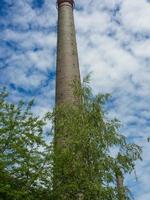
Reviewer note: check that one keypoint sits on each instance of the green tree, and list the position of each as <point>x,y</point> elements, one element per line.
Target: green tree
<point>84,167</point>
<point>25,158</point>
<point>78,162</point>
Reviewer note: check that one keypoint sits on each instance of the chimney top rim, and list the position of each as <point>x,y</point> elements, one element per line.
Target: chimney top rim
<point>59,2</point>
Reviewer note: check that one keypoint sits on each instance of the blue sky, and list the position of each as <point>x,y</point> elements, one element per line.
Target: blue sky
<point>113,42</point>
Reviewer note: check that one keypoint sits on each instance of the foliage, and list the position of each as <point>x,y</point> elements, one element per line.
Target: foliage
<point>84,167</point>
<point>25,159</point>
<point>79,165</point>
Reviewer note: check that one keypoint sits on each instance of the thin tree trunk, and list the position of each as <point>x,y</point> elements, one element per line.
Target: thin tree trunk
<point>120,186</point>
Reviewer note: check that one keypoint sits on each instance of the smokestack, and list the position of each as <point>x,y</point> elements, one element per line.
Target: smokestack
<point>67,69</point>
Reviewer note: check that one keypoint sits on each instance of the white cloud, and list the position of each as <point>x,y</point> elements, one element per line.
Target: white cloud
<point>141,49</point>
<point>135,15</point>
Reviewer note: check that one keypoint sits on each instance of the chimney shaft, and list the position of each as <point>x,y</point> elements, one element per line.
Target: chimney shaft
<point>67,68</point>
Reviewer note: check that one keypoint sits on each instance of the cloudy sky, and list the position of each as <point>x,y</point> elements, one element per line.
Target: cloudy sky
<point>113,42</point>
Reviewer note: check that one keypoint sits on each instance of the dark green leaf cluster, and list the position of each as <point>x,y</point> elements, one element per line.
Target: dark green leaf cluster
<point>25,159</point>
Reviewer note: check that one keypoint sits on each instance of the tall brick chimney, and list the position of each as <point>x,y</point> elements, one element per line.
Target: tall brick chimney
<point>67,68</point>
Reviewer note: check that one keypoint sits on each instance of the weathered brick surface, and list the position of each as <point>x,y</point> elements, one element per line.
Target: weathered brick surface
<point>67,57</point>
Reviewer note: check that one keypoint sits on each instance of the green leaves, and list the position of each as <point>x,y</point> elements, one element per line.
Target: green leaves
<point>77,164</point>
<point>24,154</point>
<point>84,137</point>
